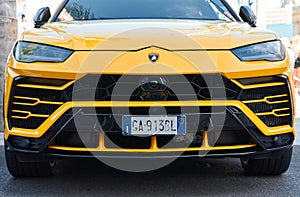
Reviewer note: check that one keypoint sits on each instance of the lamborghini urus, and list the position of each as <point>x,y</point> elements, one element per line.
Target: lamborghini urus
<point>151,79</point>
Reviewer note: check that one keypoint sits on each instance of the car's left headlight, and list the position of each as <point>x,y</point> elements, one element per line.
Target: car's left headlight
<point>268,51</point>
<point>33,52</point>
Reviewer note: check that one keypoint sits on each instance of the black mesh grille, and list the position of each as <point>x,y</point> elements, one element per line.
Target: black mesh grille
<point>43,109</point>
<point>154,88</point>
<point>272,121</point>
<point>263,107</point>
<point>143,88</point>
<point>262,80</point>
<point>41,81</point>
<point>27,108</point>
<point>232,132</point>
<point>279,99</point>
<point>260,93</point>
<point>229,138</point>
<point>197,121</point>
<point>74,139</point>
<point>31,123</point>
<point>42,94</point>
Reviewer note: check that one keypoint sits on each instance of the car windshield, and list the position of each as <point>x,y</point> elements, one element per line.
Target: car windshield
<point>76,10</point>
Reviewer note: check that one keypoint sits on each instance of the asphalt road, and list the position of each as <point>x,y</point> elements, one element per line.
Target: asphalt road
<point>221,177</point>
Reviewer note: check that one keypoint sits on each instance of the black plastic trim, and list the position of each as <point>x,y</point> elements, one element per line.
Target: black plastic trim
<point>28,156</point>
<point>58,11</point>
<point>264,142</point>
<point>232,12</point>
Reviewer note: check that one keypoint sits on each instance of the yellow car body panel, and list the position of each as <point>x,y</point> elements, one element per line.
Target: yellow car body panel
<point>65,107</point>
<point>182,62</point>
<point>112,35</point>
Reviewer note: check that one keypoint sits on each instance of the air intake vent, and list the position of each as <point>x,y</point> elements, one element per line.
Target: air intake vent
<point>34,100</point>
<point>271,104</point>
<point>153,88</point>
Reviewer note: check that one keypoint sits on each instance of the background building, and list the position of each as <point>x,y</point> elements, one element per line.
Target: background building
<point>26,10</point>
<point>8,35</point>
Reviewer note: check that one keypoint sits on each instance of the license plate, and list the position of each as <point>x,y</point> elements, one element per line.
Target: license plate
<point>154,125</point>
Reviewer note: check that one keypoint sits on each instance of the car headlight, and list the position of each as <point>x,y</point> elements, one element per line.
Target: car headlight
<point>268,51</point>
<point>32,52</point>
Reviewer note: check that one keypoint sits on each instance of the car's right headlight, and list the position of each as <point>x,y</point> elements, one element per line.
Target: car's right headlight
<point>268,51</point>
<point>29,52</point>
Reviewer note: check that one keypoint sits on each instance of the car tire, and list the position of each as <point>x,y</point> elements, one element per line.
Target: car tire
<point>268,166</point>
<point>27,169</point>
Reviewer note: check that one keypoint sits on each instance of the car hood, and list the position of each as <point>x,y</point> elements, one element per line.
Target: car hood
<point>138,34</point>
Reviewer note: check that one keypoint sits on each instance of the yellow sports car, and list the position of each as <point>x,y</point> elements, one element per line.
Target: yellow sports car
<point>147,81</point>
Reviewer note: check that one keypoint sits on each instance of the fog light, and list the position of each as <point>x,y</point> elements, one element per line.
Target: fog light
<point>19,142</point>
<point>281,140</point>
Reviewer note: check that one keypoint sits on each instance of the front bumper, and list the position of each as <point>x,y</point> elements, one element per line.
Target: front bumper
<point>34,156</point>
<point>43,120</point>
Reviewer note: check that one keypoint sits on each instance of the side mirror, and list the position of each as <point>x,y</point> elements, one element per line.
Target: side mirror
<point>248,16</point>
<point>41,17</point>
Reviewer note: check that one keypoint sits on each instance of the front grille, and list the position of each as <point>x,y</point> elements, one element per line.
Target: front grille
<point>89,118</point>
<point>74,139</point>
<point>153,88</point>
<point>84,131</point>
<point>33,101</point>
<point>229,138</point>
<point>271,104</point>
<point>30,123</point>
